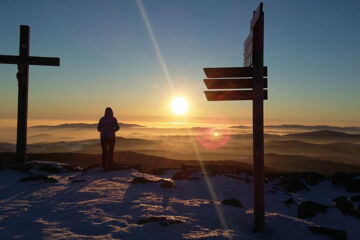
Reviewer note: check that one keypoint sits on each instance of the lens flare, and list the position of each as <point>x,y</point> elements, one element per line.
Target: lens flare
<point>213,138</point>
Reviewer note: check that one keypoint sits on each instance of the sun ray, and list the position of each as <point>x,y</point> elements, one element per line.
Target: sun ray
<point>155,44</point>
<point>168,78</point>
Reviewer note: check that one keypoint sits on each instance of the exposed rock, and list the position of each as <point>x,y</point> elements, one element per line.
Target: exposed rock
<point>348,180</point>
<point>183,176</point>
<point>72,168</point>
<point>353,186</point>
<point>163,221</point>
<point>335,234</point>
<point>355,213</point>
<point>344,205</point>
<point>40,177</point>
<point>295,186</point>
<point>312,178</point>
<point>292,182</point>
<point>180,176</point>
<point>232,202</point>
<point>140,180</point>
<point>309,209</point>
<point>341,178</point>
<point>166,184</point>
<point>24,168</point>
<point>236,176</point>
<point>355,198</point>
<point>163,183</point>
<point>78,180</point>
<point>84,170</point>
<point>289,201</point>
<point>151,219</point>
<point>49,168</point>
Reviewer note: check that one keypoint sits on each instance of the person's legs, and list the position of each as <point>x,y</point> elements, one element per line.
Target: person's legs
<point>111,152</point>
<point>104,153</point>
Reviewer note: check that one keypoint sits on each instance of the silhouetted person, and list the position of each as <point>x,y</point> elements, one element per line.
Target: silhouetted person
<point>108,125</point>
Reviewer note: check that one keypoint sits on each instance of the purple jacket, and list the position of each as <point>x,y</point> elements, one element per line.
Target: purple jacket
<point>108,125</point>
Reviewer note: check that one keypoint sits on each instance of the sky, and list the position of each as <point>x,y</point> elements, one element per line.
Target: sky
<point>136,56</point>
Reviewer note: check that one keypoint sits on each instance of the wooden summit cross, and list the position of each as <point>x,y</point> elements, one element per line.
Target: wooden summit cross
<point>252,76</point>
<point>23,61</point>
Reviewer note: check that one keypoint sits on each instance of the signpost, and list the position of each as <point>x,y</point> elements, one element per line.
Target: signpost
<point>23,61</point>
<point>252,76</point>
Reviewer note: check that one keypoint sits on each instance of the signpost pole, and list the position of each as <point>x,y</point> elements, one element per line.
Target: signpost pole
<point>258,124</point>
<point>23,82</point>
<point>252,75</point>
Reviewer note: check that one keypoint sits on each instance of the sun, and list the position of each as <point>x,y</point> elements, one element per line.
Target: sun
<point>179,105</point>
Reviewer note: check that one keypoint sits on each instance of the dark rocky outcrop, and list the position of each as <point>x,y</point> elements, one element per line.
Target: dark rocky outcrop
<point>347,180</point>
<point>166,184</point>
<point>344,205</point>
<point>355,198</point>
<point>312,178</point>
<point>294,182</point>
<point>335,234</point>
<point>140,180</point>
<point>49,168</point>
<point>23,168</point>
<point>245,179</point>
<point>310,209</point>
<point>163,183</point>
<point>353,186</point>
<point>78,180</point>
<point>163,221</point>
<point>86,169</point>
<point>232,202</point>
<point>181,175</point>
<point>289,201</point>
<point>40,177</point>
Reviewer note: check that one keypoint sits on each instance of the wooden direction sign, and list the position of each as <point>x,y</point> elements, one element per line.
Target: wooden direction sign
<point>252,75</point>
<point>227,81</point>
<point>231,83</point>
<point>231,95</point>
<point>256,16</point>
<point>249,47</point>
<point>231,72</point>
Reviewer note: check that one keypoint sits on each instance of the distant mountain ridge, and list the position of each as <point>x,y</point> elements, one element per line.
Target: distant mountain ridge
<point>81,126</point>
<point>305,127</point>
<point>314,127</point>
<point>324,134</point>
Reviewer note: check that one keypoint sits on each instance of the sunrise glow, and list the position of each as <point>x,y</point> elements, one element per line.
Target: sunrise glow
<point>179,105</point>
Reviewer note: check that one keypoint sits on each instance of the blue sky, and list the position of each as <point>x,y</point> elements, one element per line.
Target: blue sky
<point>108,59</point>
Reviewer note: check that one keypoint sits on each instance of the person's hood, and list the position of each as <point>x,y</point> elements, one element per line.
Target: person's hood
<point>108,113</point>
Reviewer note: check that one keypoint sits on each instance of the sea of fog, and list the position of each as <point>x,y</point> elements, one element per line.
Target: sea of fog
<point>188,142</point>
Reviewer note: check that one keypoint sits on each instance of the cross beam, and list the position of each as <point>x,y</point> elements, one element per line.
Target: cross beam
<point>23,60</point>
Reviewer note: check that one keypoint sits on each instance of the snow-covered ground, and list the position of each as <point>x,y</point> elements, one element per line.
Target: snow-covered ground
<point>108,205</point>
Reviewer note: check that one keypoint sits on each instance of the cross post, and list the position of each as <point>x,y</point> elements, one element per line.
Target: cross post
<point>23,60</point>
